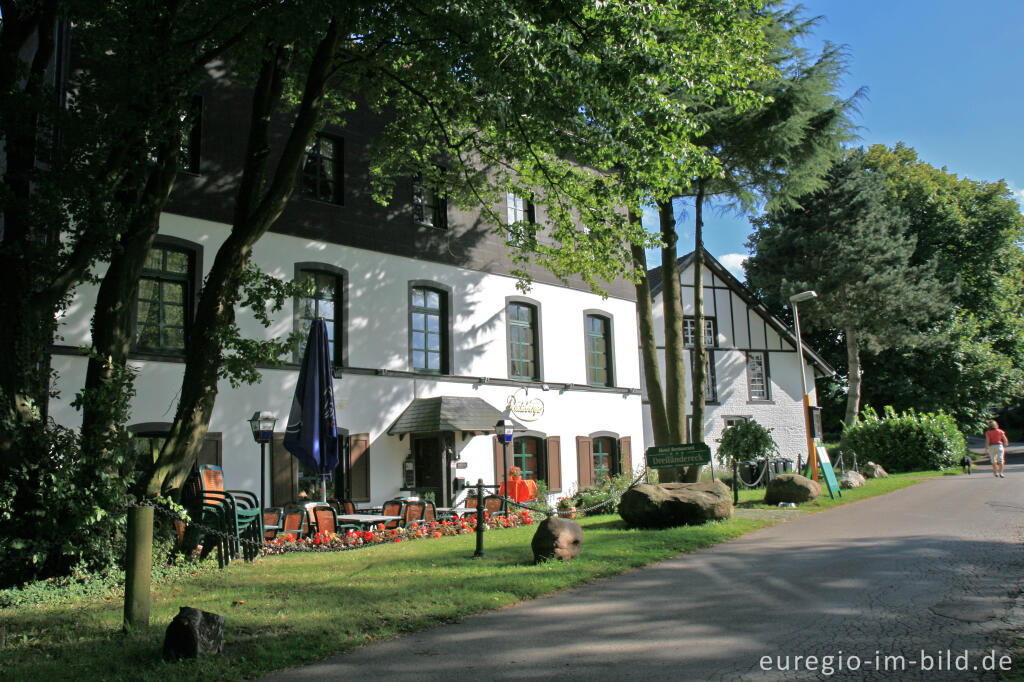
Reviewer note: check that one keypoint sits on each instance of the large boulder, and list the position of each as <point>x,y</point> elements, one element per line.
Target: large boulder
<point>556,538</point>
<point>675,504</point>
<point>194,633</point>
<point>791,488</point>
<point>872,470</point>
<point>851,479</point>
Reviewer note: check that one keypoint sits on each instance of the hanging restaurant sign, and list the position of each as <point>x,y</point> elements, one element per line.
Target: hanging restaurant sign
<point>524,407</point>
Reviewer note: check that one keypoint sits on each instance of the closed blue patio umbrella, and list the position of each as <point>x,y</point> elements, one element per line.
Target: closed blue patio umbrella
<point>312,432</point>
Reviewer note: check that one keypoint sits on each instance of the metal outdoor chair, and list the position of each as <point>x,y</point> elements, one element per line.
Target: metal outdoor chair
<point>494,505</point>
<point>294,522</point>
<point>236,514</point>
<point>326,520</point>
<point>342,506</point>
<point>272,517</point>
<point>413,513</point>
<point>429,512</point>
<point>392,508</point>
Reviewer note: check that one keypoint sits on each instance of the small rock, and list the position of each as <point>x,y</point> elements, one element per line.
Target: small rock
<point>851,479</point>
<point>194,633</point>
<point>872,470</point>
<point>556,538</point>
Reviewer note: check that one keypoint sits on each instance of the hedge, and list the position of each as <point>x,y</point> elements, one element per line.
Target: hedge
<point>905,442</point>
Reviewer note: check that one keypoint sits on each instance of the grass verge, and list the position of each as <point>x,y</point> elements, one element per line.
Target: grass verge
<point>298,608</point>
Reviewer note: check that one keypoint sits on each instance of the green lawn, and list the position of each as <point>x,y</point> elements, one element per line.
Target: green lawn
<point>297,608</point>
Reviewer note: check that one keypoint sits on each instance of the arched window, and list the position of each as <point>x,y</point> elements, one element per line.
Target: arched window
<point>604,458</point>
<point>598,335</point>
<point>324,297</point>
<point>166,298</point>
<point>523,329</point>
<point>429,329</point>
<point>527,454</point>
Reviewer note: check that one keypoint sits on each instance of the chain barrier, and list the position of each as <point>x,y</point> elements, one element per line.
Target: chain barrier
<point>757,483</point>
<point>615,497</point>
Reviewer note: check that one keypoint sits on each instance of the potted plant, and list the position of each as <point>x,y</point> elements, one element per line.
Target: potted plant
<point>515,473</point>
<point>566,507</point>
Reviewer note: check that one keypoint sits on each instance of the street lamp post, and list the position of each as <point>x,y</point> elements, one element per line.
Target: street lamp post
<point>504,431</point>
<point>262,425</point>
<point>794,300</point>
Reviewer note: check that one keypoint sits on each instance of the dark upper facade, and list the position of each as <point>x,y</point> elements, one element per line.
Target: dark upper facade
<point>344,213</point>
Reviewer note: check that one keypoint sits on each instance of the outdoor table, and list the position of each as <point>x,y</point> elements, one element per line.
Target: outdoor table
<point>366,519</point>
<point>455,511</point>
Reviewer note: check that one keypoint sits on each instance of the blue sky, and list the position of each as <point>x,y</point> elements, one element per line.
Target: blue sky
<point>942,76</point>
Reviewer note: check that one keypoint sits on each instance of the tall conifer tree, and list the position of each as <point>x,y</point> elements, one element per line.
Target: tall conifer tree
<point>854,250</point>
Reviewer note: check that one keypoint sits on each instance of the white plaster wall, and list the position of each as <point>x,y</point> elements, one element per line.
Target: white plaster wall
<point>378,338</point>
<point>784,412</point>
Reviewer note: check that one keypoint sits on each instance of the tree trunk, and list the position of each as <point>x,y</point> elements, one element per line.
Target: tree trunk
<point>675,366</point>
<point>700,353</point>
<point>257,208</point>
<point>26,319</point>
<point>853,394</point>
<point>112,316</point>
<point>649,347</point>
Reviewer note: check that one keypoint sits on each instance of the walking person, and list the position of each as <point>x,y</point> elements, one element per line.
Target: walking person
<point>996,444</point>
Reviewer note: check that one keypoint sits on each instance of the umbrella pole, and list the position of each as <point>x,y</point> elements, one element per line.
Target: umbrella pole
<point>323,488</point>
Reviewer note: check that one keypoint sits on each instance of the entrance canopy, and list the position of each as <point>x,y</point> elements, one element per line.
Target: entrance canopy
<point>449,413</point>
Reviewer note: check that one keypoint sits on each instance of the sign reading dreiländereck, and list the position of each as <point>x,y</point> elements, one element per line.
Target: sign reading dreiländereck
<point>524,407</point>
<point>683,454</point>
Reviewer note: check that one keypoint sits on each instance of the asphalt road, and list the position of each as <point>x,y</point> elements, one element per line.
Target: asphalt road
<point>935,568</point>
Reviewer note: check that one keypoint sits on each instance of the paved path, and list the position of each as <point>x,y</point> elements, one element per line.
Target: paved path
<point>935,567</point>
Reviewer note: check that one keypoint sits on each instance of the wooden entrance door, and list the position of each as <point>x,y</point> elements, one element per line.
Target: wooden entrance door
<point>427,459</point>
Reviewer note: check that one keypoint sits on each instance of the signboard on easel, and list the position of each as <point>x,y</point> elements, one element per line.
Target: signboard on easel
<point>825,467</point>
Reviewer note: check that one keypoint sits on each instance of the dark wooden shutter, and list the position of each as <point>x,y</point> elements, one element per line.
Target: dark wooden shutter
<point>625,456</point>
<point>359,466</point>
<point>284,473</point>
<point>584,462</point>
<point>553,445</point>
<point>499,460</point>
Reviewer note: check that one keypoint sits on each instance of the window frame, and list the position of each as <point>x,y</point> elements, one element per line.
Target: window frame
<point>340,356</point>
<point>426,201</point>
<point>540,474</point>
<point>730,420</point>
<point>337,193</point>
<point>688,329</point>
<point>445,326</point>
<point>528,213</point>
<point>711,383</point>
<point>537,336</point>
<point>766,378</point>
<point>190,298</point>
<point>613,455</point>
<point>609,338</point>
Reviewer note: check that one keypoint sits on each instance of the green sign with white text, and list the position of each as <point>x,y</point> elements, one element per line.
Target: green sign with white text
<point>684,454</point>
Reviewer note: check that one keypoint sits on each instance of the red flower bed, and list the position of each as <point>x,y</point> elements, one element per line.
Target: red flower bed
<point>352,539</point>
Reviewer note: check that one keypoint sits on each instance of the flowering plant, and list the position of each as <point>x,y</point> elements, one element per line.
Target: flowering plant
<point>515,472</point>
<point>566,503</point>
<point>351,539</point>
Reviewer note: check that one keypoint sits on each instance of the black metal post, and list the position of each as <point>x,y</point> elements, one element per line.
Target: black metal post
<point>479,553</point>
<point>263,471</point>
<point>735,483</point>
<point>504,456</point>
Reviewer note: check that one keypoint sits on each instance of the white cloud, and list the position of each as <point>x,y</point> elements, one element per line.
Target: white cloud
<point>1017,192</point>
<point>733,262</point>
